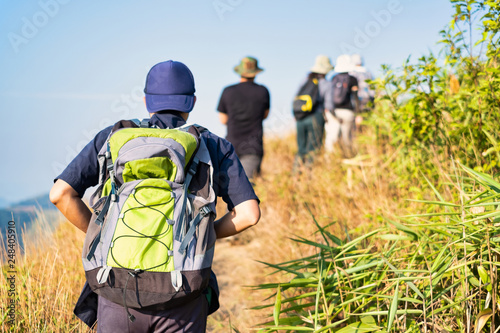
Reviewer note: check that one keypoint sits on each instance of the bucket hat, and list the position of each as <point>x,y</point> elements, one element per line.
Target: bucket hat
<point>169,86</point>
<point>248,67</point>
<point>343,64</point>
<point>322,65</point>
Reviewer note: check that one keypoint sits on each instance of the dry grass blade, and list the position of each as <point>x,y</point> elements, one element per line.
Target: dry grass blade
<point>482,319</point>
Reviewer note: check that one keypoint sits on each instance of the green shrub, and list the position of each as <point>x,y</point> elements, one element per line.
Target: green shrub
<point>439,108</point>
<point>435,270</point>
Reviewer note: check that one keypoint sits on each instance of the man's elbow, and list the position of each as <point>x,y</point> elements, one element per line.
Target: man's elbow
<point>59,191</point>
<point>253,216</point>
<point>223,118</point>
<point>55,195</point>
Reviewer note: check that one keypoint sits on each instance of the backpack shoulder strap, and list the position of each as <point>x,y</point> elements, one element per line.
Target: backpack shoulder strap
<point>200,128</point>
<point>103,160</point>
<point>201,153</point>
<point>131,123</point>
<point>124,124</point>
<point>144,123</point>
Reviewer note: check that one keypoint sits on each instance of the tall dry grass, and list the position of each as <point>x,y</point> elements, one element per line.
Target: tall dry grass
<point>49,278</point>
<point>346,195</point>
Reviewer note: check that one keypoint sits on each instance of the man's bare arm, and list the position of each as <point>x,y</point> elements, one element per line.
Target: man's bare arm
<point>67,200</point>
<point>223,118</point>
<point>243,216</point>
<point>266,113</point>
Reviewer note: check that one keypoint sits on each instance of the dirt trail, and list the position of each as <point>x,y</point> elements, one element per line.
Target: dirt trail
<point>237,268</point>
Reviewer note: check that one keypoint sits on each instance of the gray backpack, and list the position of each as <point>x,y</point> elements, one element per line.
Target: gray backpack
<point>150,242</point>
<point>341,89</point>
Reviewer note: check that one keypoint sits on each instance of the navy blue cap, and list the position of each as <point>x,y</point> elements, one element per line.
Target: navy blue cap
<point>169,86</point>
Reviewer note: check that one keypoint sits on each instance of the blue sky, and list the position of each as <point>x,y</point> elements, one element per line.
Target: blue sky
<point>70,68</point>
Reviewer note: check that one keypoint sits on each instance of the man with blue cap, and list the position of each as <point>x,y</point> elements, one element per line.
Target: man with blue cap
<point>170,97</point>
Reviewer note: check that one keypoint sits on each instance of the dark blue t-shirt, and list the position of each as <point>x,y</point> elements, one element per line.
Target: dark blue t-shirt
<point>229,179</point>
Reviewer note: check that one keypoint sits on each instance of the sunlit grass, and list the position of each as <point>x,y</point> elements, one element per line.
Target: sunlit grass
<point>433,268</point>
<point>49,277</point>
<point>348,197</point>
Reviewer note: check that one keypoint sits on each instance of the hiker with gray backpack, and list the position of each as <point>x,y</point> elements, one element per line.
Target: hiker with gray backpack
<point>340,122</point>
<point>151,233</point>
<point>366,94</point>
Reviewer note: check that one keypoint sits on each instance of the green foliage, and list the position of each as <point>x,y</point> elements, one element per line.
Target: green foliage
<point>436,270</point>
<point>449,106</point>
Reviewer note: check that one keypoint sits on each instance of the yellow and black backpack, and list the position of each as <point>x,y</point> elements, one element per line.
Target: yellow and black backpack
<point>306,99</point>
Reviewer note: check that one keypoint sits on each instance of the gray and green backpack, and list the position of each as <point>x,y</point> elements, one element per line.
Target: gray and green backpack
<point>150,242</point>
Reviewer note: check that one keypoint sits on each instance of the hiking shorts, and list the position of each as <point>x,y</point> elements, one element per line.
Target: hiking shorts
<point>191,318</point>
<point>251,165</point>
<point>344,130</point>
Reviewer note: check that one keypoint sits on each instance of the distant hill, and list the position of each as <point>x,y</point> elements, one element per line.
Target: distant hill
<point>22,215</point>
<point>25,213</point>
<point>41,201</point>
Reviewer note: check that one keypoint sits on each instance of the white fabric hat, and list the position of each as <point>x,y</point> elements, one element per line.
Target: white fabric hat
<point>356,60</point>
<point>322,65</point>
<point>343,64</point>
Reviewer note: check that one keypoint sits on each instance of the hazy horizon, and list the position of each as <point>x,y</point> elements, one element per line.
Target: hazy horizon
<point>72,68</point>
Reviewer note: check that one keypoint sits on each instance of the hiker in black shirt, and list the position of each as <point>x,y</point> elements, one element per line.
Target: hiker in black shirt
<point>243,107</point>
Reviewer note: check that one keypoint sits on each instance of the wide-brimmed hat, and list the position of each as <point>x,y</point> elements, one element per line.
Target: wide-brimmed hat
<point>343,64</point>
<point>248,67</point>
<point>169,86</point>
<point>322,65</point>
